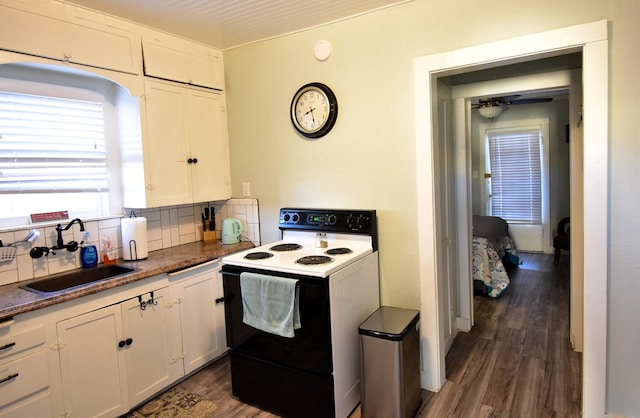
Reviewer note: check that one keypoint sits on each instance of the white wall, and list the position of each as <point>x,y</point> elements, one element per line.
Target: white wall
<point>368,159</point>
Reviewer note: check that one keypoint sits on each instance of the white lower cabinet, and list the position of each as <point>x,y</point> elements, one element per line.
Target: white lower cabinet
<point>151,330</point>
<point>117,356</point>
<point>93,368</point>
<point>199,295</point>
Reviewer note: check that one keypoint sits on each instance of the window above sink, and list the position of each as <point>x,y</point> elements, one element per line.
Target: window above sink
<point>64,152</point>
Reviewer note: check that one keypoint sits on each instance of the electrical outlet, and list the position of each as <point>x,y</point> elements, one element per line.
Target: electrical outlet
<point>246,189</point>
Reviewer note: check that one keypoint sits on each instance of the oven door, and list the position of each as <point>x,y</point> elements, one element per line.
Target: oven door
<point>308,350</point>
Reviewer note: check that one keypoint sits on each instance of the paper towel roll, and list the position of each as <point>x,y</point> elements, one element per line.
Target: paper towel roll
<point>134,238</point>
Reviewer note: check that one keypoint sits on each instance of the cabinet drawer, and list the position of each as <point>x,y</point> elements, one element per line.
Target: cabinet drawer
<point>38,406</point>
<point>19,343</point>
<point>23,377</point>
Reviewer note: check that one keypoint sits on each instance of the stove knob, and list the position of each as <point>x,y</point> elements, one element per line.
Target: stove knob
<point>286,217</point>
<point>357,222</point>
<point>295,218</point>
<point>331,219</point>
<point>350,220</point>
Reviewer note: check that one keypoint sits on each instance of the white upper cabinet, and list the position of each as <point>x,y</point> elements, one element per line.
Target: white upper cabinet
<point>184,154</point>
<point>175,59</point>
<point>73,35</point>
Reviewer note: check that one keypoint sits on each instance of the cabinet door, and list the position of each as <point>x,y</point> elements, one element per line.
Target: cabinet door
<point>172,58</point>
<point>150,367</point>
<point>72,35</point>
<point>209,143</point>
<point>94,381</point>
<point>165,145</point>
<point>203,338</point>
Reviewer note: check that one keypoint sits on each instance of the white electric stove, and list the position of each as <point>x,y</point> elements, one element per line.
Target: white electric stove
<point>332,255</point>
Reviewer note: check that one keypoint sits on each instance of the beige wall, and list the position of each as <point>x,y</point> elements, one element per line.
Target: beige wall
<point>368,160</point>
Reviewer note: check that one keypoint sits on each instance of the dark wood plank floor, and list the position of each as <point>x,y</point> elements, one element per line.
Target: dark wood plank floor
<point>515,362</point>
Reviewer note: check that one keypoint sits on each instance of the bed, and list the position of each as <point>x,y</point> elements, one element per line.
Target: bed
<point>491,244</point>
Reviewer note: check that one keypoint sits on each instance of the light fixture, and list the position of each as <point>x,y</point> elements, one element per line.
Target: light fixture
<point>490,111</point>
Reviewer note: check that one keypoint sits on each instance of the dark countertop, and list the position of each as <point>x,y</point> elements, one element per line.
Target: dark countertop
<point>14,300</point>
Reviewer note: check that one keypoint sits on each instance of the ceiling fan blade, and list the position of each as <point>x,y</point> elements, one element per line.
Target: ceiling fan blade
<point>503,99</point>
<point>530,101</point>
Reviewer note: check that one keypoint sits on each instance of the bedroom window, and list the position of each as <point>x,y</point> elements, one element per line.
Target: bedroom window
<point>515,163</point>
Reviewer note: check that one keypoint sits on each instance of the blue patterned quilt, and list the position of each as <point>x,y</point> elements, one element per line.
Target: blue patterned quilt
<point>487,263</point>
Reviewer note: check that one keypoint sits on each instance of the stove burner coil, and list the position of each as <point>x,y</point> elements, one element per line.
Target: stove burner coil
<point>338,251</point>
<point>286,247</point>
<point>258,255</point>
<point>314,260</point>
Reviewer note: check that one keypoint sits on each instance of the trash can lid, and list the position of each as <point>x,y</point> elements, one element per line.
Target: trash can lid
<point>389,323</point>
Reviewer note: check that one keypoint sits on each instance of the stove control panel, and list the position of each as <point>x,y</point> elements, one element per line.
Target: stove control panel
<point>329,220</point>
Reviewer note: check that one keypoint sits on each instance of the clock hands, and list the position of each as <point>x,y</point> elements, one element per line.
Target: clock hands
<point>311,109</point>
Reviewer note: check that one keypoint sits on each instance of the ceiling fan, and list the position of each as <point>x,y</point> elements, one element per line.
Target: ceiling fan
<point>491,107</point>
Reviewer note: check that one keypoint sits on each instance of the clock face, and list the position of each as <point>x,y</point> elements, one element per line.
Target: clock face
<point>314,110</point>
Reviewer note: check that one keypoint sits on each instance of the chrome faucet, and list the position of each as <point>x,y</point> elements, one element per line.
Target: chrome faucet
<point>37,252</point>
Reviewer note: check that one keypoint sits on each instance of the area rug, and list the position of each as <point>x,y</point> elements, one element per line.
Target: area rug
<point>176,402</point>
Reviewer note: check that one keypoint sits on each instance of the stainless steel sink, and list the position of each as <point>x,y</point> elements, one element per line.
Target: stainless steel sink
<point>76,278</point>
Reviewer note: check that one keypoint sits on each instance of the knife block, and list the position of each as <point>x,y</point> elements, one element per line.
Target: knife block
<point>209,236</point>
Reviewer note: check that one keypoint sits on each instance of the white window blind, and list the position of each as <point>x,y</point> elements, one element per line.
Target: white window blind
<point>516,175</point>
<point>51,145</point>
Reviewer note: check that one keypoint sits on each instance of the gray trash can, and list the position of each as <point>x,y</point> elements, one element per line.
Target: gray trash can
<point>390,369</point>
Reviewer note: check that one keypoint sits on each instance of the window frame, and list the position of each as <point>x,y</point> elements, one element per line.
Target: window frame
<point>57,81</point>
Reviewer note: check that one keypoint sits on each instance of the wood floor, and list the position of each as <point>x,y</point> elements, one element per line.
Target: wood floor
<point>515,362</point>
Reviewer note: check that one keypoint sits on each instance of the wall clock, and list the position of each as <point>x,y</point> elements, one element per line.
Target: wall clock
<point>314,110</point>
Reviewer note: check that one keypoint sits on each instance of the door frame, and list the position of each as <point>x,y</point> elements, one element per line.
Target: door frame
<point>592,40</point>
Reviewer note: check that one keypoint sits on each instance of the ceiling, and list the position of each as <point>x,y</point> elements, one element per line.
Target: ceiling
<point>225,24</point>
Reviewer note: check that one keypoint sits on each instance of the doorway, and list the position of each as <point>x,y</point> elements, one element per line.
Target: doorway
<point>591,40</point>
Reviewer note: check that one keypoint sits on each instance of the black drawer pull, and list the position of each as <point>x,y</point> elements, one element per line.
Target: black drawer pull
<point>10,377</point>
<point>7,346</point>
<point>219,300</point>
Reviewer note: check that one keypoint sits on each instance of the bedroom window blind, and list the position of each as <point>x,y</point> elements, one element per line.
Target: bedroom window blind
<point>516,174</point>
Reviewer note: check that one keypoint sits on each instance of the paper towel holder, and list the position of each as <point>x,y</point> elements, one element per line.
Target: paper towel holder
<point>134,237</point>
<point>133,248</point>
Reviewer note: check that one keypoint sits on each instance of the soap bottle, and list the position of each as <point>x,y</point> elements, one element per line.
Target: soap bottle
<point>88,253</point>
<point>108,253</point>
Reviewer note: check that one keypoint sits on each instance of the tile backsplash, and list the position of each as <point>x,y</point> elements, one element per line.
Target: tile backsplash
<point>166,227</point>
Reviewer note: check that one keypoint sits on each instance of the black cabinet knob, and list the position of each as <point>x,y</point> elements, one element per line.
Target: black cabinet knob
<point>126,342</point>
<point>192,161</point>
